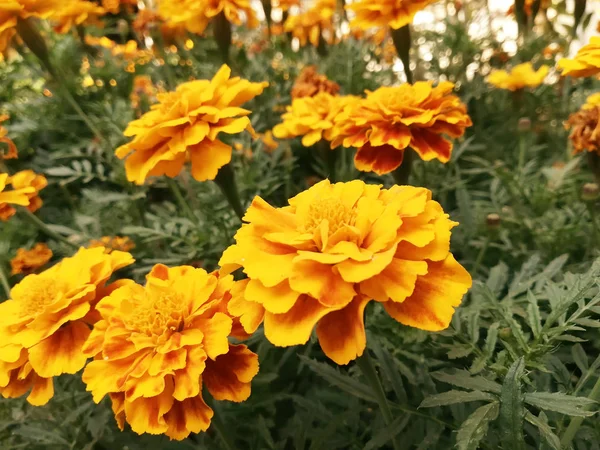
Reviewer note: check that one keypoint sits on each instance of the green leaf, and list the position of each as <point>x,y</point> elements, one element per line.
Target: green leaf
<point>474,429</point>
<point>491,339</point>
<point>463,379</point>
<point>545,431</point>
<point>387,433</point>
<point>580,357</point>
<point>455,396</point>
<point>534,318</point>
<point>497,278</point>
<point>561,403</point>
<point>511,407</point>
<point>388,368</point>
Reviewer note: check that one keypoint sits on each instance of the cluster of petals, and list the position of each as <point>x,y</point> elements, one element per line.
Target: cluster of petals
<point>110,243</point>
<point>195,15</point>
<point>521,76</point>
<point>26,185</point>
<point>11,11</point>
<point>312,118</point>
<point>75,12</point>
<point>310,82</point>
<point>156,346</point>
<point>585,126</point>
<point>27,261</point>
<point>314,24</point>
<point>586,62</point>
<point>385,13</point>
<point>185,125</point>
<point>390,119</point>
<point>10,152</point>
<point>115,6</point>
<point>47,320</point>
<point>336,247</point>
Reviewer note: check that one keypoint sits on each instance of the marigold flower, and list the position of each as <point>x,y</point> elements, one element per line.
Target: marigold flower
<point>309,83</point>
<point>110,243</point>
<point>114,6</point>
<point>25,182</point>
<point>585,127</point>
<point>11,151</point>
<point>46,322</point>
<point>391,119</point>
<point>27,261</point>
<point>312,25</point>
<point>156,347</point>
<point>11,11</point>
<point>312,117</point>
<point>75,12</point>
<point>12,197</point>
<point>520,77</point>
<point>336,247</point>
<point>143,90</point>
<point>585,63</point>
<point>385,13</point>
<point>186,124</point>
<point>270,144</point>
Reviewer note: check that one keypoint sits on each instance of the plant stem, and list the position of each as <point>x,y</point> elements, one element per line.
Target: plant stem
<point>4,281</point>
<point>329,157</point>
<point>32,218</point>
<point>225,179</point>
<point>522,151</point>
<point>402,42</point>
<point>480,255</point>
<point>594,164</point>
<point>368,369</point>
<point>181,201</point>
<point>576,422</point>
<point>402,173</point>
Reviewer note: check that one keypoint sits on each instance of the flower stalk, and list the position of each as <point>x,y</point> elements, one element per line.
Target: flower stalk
<point>4,281</point>
<point>222,30</point>
<point>402,42</point>
<point>225,179</point>
<point>181,201</point>
<point>402,174</point>
<point>594,164</point>
<point>32,218</point>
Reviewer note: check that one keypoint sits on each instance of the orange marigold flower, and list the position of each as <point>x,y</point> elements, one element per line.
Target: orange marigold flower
<point>309,83</point>
<point>286,5</point>
<point>312,118</point>
<point>585,63</point>
<point>114,6</point>
<point>110,243</point>
<point>143,90</point>
<point>186,124</point>
<point>314,24</point>
<point>25,182</point>
<point>27,261</point>
<point>270,144</point>
<point>11,11</point>
<point>75,12</point>
<point>585,126</point>
<point>46,322</point>
<point>520,77</point>
<point>11,151</point>
<point>336,247</point>
<point>385,13</point>
<point>156,347</point>
<point>391,119</point>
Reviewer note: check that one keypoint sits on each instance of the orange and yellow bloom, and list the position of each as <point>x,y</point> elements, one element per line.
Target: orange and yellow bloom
<point>25,187</point>
<point>309,83</point>
<point>585,126</point>
<point>386,13</point>
<point>73,13</point>
<point>47,320</point>
<point>185,125</point>
<point>111,243</point>
<point>521,76</point>
<point>158,345</point>
<point>391,119</point>
<point>11,11</point>
<point>11,149</point>
<point>322,259</point>
<point>27,261</point>
<point>314,24</point>
<point>585,63</point>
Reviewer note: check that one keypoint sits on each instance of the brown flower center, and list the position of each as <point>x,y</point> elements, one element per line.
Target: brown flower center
<point>333,211</point>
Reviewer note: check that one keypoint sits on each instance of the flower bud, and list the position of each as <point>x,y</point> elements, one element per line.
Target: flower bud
<point>590,192</point>
<point>123,27</point>
<point>524,124</point>
<point>493,221</point>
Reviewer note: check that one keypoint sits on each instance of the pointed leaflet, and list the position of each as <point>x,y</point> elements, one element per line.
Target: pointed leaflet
<point>474,429</point>
<point>511,407</point>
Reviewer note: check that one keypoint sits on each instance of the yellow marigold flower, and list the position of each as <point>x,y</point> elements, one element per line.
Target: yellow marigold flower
<point>11,11</point>
<point>47,320</point>
<point>320,260</point>
<point>310,26</point>
<point>156,347</point>
<point>27,261</point>
<point>186,124</point>
<point>114,6</point>
<point>585,127</point>
<point>12,197</point>
<point>309,83</point>
<point>391,119</point>
<point>312,117</point>
<point>100,42</point>
<point>592,100</point>
<point>286,5</point>
<point>585,63</point>
<point>270,144</point>
<point>25,182</point>
<point>110,243</point>
<point>11,151</point>
<point>143,89</point>
<point>385,13</point>
<point>75,12</point>
<point>520,77</point>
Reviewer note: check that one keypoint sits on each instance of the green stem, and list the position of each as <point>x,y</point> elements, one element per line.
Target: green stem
<point>576,422</point>
<point>481,255</point>
<point>592,210</point>
<point>32,218</point>
<point>4,281</point>
<point>368,369</point>
<point>329,157</point>
<point>225,179</point>
<point>402,42</point>
<point>181,201</point>
<point>402,173</point>
<point>522,151</point>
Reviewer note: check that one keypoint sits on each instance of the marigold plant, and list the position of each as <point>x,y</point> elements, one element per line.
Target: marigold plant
<point>336,247</point>
<point>11,149</point>
<point>10,197</point>
<point>585,126</point>
<point>386,13</point>
<point>585,63</point>
<point>27,261</point>
<point>520,77</point>
<point>25,182</point>
<point>391,119</point>
<point>47,320</point>
<point>158,345</point>
<point>185,124</point>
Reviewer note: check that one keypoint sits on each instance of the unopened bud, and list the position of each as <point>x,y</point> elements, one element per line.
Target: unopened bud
<point>493,220</point>
<point>524,124</point>
<point>590,192</point>
<point>504,333</point>
<point>123,27</point>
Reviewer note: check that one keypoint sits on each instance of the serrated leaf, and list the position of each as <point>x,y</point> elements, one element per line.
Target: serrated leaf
<point>497,278</point>
<point>534,318</point>
<point>388,433</point>
<point>474,429</point>
<point>459,352</point>
<point>544,429</point>
<point>561,403</point>
<point>454,396</point>
<point>463,379</point>
<point>491,339</point>
<point>579,357</point>
<point>511,406</point>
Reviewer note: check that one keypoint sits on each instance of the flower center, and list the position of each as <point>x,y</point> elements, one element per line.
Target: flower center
<point>38,296</point>
<point>331,209</point>
<point>158,315</point>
